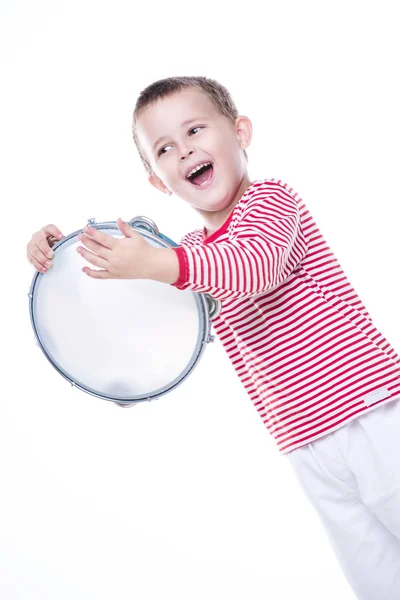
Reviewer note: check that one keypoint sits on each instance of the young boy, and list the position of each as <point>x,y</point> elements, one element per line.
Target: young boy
<point>322,378</point>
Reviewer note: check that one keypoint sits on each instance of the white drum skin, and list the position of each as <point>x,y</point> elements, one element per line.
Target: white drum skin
<point>142,338</point>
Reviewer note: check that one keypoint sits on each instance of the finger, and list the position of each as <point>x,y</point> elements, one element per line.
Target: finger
<point>108,241</point>
<point>102,274</point>
<point>124,227</point>
<point>52,234</point>
<point>39,247</point>
<point>51,240</point>
<point>93,245</point>
<point>39,256</point>
<point>38,266</point>
<point>94,259</point>
<point>44,248</point>
<point>52,230</point>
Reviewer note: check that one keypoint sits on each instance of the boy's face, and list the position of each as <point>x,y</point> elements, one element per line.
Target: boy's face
<point>185,130</point>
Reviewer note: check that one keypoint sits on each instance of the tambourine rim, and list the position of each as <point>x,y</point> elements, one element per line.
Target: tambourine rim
<point>200,300</point>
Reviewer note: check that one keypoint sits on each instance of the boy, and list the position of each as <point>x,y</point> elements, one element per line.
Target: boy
<point>323,379</point>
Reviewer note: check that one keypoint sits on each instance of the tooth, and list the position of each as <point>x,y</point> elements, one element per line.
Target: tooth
<point>198,168</point>
<point>193,171</point>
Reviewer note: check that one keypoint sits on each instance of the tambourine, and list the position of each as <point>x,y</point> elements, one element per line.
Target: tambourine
<point>127,341</point>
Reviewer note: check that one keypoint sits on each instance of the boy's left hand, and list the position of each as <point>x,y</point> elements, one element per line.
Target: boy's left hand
<point>130,257</point>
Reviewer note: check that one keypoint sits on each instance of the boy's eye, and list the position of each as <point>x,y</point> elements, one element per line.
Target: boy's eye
<point>162,150</point>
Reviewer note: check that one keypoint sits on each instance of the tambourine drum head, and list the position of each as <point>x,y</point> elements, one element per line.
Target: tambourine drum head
<point>119,339</point>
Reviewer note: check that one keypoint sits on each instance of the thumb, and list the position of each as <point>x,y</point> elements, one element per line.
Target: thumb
<point>125,228</point>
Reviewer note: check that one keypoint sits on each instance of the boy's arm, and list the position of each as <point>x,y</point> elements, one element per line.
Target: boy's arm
<point>164,266</point>
<point>265,246</point>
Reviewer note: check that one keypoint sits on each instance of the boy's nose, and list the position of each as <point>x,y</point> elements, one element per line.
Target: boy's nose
<point>186,154</point>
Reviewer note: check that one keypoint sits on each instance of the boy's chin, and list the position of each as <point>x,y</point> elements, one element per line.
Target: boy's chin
<point>211,204</point>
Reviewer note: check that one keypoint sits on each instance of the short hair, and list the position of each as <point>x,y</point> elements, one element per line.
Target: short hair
<point>217,93</point>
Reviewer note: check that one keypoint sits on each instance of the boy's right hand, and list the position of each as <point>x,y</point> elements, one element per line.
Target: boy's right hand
<point>39,252</point>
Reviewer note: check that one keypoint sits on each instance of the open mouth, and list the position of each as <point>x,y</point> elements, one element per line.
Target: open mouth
<point>201,175</point>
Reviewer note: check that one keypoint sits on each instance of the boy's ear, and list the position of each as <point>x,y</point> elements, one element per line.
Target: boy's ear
<point>244,131</point>
<point>158,183</point>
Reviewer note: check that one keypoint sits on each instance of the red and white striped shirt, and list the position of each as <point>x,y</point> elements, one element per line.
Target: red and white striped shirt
<point>298,335</point>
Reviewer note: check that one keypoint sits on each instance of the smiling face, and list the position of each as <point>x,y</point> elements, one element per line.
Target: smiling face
<point>184,130</point>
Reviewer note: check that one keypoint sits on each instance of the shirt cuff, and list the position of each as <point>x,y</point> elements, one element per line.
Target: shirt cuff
<point>183,277</point>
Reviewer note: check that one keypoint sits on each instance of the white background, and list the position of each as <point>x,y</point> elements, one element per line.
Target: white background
<point>187,497</point>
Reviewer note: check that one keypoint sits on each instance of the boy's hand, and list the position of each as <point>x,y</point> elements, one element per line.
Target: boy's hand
<point>130,257</point>
<point>38,251</point>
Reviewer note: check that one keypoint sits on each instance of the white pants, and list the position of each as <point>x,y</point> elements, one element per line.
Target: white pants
<point>352,478</point>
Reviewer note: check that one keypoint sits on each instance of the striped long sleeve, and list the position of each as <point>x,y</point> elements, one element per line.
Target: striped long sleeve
<point>298,335</point>
<point>265,244</point>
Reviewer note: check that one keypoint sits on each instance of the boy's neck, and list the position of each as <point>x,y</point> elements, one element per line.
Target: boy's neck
<point>214,220</point>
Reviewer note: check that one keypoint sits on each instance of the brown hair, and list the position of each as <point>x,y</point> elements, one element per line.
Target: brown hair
<point>216,92</point>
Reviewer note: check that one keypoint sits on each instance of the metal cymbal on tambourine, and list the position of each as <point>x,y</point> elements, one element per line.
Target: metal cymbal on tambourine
<point>142,338</point>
